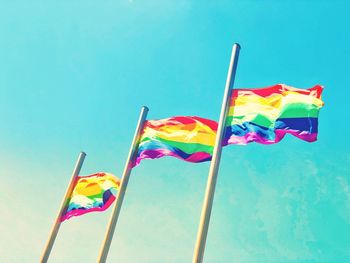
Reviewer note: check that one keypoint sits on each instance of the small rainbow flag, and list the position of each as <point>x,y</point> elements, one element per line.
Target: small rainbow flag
<point>91,193</point>
<point>266,115</point>
<point>187,138</point>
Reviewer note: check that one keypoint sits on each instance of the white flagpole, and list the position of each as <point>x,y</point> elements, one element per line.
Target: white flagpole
<point>123,184</point>
<point>57,224</point>
<point>214,165</point>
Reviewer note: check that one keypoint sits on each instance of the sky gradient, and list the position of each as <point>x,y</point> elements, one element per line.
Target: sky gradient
<point>73,77</point>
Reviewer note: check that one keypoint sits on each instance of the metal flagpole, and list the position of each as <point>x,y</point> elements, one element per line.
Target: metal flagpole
<point>57,224</point>
<point>214,165</point>
<point>123,184</point>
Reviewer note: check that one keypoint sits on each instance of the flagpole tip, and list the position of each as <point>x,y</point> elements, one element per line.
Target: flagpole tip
<point>237,45</point>
<point>83,153</point>
<point>145,108</point>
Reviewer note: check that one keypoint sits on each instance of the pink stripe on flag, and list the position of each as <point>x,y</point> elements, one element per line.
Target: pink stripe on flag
<point>254,137</point>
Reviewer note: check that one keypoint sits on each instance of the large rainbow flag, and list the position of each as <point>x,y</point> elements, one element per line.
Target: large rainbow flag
<point>255,115</point>
<point>266,115</point>
<point>187,138</point>
<point>91,193</point>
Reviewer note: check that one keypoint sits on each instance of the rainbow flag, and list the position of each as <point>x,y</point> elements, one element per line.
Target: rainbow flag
<point>91,193</point>
<point>188,138</point>
<point>266,115</point>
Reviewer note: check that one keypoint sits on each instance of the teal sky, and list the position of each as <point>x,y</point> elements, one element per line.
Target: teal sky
<point>73,76</point>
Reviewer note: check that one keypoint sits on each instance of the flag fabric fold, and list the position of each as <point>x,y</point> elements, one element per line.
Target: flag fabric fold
<point>188,138</point>
<point>91,193</point>
<point>266,115</point>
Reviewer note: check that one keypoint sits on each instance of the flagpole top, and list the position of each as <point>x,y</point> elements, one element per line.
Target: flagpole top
<point>145,108</point>
<point>83,153</point>
<point>237,45</point>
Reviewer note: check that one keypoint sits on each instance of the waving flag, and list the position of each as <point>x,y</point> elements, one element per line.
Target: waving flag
<point>266,115</point>
<point>187,138</point>
<point>91,193</point>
